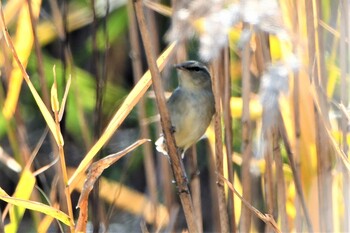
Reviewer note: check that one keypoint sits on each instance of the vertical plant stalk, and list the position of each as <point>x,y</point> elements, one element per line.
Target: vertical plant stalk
<point>269,181</point>
<point>152,25</point>
<point>228,134</point>
<point>297,134</point>
<point>55,109</point>
<point>297,182</point>
<point>246,138</point>
<point>58,20</point>
<point>60,23</point>
<point>148,160</point>
<point>39,57</point>
<point>40,68</point>
<point>281,186</point>
<point>100,76</point>
<point>344,91</point>
<point>219,158</point>
<point>324,160</point>
<point>215,212</point>
<point>296,111</point>
<point>176,163</point>
<point>195,186</point>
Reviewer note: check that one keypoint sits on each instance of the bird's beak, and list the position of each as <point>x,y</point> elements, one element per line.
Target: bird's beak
<point>179,66</point>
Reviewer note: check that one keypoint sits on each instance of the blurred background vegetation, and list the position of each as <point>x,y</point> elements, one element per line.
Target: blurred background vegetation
<point>283,71</point>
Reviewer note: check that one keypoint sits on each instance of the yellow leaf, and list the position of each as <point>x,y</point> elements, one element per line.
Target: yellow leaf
<point>23,191</point>
<point>23,48</point>
<point>33,205</point>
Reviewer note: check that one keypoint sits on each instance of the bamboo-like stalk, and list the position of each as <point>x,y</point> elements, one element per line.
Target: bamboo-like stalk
<point>269,181</point>
<point>165,185</point>
<point>219,158</point>
<point>296,111</point>
<point>246,138</point>
<point>176,163</point>
<point>226,99</point>
<point>297,182</point>
<point>324,160</point>
<point>195,186</point>
<point>263,57</point>
<point>144,130</point>
<point>213,193</point>
<point>297,133</point>
<point>281,186</point>
<point>343,57</point>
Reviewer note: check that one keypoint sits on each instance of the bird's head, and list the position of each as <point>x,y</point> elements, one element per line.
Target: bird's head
<point>194,75</point>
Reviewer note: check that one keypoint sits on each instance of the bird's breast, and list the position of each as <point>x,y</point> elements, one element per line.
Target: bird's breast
<point>192,122</point>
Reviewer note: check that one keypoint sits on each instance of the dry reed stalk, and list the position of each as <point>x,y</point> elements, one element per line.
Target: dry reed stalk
<point>228,128</point>
<point>166,186</point>
<point>55,108</point>
<point>214,200</point>
<point>344,53</point>
<point>296,112</point>
<point>96,205</point>
<point>60,23</point>
<point>263,57</point>
<point>149,163</point>
<point>195,186</point>
<point>176,163</point>
<point>324,160</point>
<point>246,137</point>
<point>224,224</point>
<point>268,178</point>
<point>39,58</point>
<point>281,186</point>
<point>297,182</point>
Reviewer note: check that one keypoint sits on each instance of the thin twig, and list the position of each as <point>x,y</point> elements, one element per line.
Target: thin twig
<point>268,219</point>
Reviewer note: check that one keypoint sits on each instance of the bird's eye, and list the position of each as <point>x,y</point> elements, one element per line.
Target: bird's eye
<point>196,69</point>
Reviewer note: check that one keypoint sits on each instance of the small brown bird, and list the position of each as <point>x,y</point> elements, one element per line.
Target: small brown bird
<point>191,106</point>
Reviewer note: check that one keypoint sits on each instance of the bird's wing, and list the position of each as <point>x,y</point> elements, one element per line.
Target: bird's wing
<point>177,107</point>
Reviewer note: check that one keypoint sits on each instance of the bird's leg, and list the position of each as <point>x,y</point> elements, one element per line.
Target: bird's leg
<point>184,175</point>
